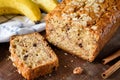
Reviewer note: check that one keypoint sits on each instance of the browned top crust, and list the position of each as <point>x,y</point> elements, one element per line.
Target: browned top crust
<point>91,14</point>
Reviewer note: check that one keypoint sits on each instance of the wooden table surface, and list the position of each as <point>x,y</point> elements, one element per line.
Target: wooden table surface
<point>92,71</point>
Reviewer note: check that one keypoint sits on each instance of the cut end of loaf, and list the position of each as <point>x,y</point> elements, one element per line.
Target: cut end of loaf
<point>33,53</point>
<point>81,43</point>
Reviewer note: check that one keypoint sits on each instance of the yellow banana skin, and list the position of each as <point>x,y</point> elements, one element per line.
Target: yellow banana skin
<point>8,10</point>
<point>25,7</point>
<point>46,5</point>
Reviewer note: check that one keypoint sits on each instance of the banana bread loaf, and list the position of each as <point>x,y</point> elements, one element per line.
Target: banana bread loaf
<point>83,27</point>
<point>32,55</point>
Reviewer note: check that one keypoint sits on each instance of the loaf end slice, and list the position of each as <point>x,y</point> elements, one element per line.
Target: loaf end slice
<point>83,27</point>
<point>32,55</point>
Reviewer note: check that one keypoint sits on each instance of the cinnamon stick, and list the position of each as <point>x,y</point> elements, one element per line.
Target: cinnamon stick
<point>112,57</point>
<point>111,70</point>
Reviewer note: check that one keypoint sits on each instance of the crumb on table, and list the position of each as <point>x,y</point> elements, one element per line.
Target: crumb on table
<point>77,70</point>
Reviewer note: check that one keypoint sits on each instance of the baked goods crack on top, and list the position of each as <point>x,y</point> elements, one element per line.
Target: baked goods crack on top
<point>32,56</point>
<point>83,27</point>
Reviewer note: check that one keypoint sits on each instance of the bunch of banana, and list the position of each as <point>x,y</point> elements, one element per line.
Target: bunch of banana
<point>24,7</point>
<point>46,5</point>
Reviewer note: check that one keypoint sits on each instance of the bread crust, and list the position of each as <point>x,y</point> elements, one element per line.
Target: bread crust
<point>32,73</point>
<point>110,29</point>
<point>108,23</point>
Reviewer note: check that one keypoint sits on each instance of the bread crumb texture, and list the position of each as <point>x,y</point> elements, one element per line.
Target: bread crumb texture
<point>32,55</point>
<point>32,50</point>
<point>77,25</point>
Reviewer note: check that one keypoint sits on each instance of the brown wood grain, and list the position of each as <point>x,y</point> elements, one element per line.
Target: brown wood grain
<point>92,71</point>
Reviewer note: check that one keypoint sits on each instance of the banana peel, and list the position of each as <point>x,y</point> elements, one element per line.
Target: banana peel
<point>24,7</point>
<point>46,5</point>
<point>8,10</point>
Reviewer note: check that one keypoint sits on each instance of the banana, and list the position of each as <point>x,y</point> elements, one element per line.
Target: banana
<point>46,5</point>
<point>24,7</point>
<point>8,10</point>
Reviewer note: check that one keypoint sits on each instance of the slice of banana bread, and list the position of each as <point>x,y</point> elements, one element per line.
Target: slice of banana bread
<point>32,55</point>
<point>83,27</point>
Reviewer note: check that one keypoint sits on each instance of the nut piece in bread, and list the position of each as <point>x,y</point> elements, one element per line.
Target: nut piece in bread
<point>83,27</point>
<point>32,55</point>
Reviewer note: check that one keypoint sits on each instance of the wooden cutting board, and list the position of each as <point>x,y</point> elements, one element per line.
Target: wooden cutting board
<point>92,71</point>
